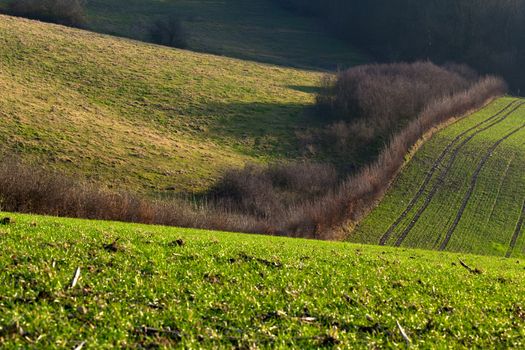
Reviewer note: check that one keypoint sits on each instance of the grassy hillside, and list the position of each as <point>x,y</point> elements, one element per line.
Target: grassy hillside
<point>141,116</point>
<point>464,190</point>
<point>146,286</point>
<point>258,30</point>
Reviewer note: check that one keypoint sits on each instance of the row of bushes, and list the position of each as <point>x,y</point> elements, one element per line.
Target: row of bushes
<point>351,200</point>
<point>268,192</point>
<point>370,107</point>
<point>32,189</point>
<point>366,105</point>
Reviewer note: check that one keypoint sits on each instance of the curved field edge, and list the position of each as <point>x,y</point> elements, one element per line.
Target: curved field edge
<point>473,196</point>
<point>341,210</point>
<point>144,286</point>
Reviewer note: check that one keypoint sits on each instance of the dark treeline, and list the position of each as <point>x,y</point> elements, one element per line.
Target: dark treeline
<point>488,35</point>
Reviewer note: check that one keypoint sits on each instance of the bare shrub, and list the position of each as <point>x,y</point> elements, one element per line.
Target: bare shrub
<point>30,189</point>
<point>66,12</point>
<point>169,32</point>
<point>293,209</point>
<point>269,191</point>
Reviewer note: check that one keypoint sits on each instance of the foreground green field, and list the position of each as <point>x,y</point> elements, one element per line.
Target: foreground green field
<point>140,116</point>
<point>464,190</point>
<point>146,286</point>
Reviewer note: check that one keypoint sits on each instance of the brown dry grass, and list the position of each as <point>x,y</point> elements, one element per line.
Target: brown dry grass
<point>30,189</point>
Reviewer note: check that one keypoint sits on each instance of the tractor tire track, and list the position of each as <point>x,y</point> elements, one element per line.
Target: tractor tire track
<point>445,172</point>
<point>473,182</point>
<point>517,232</point>
<point>433,169</point>
<point>430,174</point>
<point>500,186</point>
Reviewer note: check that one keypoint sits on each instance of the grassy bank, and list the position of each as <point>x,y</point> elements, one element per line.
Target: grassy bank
<point>147,286</point>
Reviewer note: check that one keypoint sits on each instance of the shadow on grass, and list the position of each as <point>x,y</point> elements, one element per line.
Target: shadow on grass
<point>257,30</point>
<point>305,89</point>
<point>260,129</point>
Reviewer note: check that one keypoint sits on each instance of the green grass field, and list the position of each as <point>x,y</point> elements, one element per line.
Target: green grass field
<point>464,190</point>
<point>147,287</point>
<point>139,116</point>
<point>152,119</point>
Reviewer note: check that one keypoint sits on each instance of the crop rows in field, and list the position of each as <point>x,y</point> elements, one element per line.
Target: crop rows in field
<point>463,191</point>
